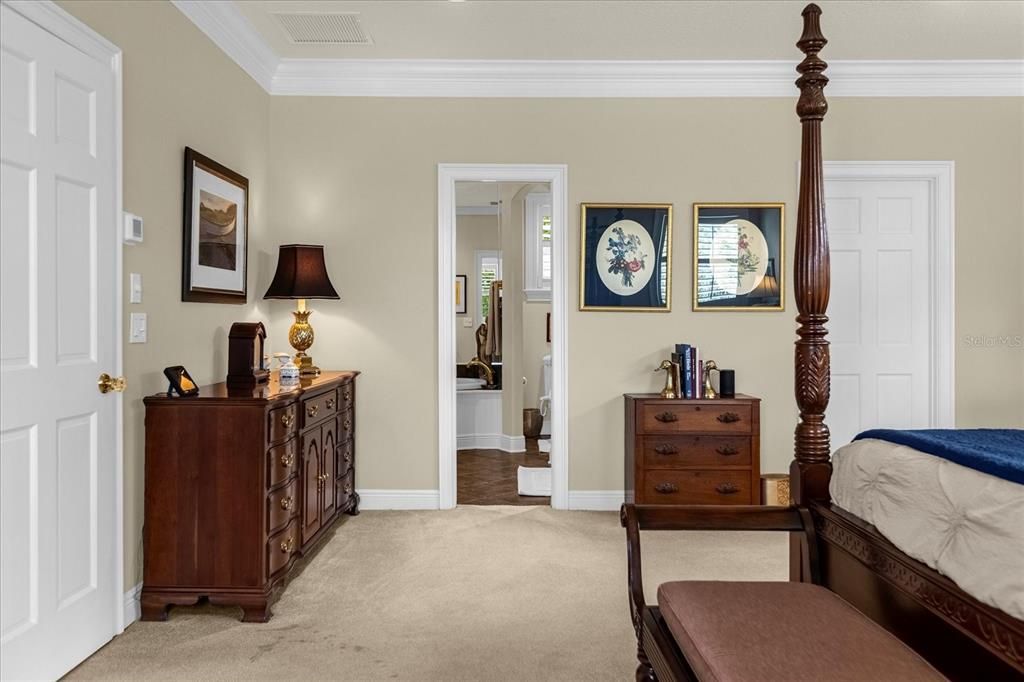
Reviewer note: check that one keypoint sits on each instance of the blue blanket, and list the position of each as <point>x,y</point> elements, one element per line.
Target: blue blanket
<point>999,452</point>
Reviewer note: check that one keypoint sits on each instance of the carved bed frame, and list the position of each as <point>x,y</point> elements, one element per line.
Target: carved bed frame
<point>957,634</point>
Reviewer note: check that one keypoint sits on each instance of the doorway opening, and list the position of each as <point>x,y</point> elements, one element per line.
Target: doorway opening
<point>502,343</point>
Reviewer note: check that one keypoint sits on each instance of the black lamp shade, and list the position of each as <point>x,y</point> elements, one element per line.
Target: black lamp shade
<point>301,273</point>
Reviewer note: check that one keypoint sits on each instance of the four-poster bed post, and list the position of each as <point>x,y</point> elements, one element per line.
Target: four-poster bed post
<point>811,468</point>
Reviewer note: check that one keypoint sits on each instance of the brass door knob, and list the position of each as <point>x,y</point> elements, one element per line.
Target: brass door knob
<point>108,383</point>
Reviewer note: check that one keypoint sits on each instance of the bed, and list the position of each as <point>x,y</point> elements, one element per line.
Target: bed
<point>975,633</point>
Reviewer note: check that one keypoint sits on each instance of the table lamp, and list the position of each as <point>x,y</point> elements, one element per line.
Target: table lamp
<point>301,274</point>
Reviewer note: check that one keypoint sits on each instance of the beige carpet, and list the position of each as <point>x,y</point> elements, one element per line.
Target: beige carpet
<point>477,593</point>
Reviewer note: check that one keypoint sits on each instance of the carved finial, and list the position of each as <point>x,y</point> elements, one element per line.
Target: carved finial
<point>812,80</point>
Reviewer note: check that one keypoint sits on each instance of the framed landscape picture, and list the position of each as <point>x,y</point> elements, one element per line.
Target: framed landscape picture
<point>460,294</point>
<point>739,256</point>
<point>626,257</point>
<point>215,232</point>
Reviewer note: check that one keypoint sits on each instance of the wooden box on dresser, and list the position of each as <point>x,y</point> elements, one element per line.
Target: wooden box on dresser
<point>693,451</point>
<point>241,483</point>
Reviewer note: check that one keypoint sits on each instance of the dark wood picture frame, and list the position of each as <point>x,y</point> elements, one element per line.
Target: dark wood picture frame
<point>198,294</point>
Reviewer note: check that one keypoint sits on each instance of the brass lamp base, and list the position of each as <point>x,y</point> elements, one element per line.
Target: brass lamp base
<point>305,364</point>
<point>300,336</point>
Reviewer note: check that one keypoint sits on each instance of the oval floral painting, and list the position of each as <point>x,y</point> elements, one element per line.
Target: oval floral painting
<point>751,255</point>
<point>625,257</point>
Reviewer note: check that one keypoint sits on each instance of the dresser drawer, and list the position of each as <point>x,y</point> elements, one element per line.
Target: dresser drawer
<point>283,423</point>
<point>282,547</point>
<point>346,425</point>
<point>344,487</point>
<point>319,407</point>
<point>281,463</point>
<point>680,486</point>
<point>346,453</point>
<point>282,505</point>
<point>673,417</point>
<point>346,396</point>
<point>673,450</point>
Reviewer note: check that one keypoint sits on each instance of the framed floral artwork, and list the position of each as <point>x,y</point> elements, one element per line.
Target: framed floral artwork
<point>739,257</point>
<point>626,257</point>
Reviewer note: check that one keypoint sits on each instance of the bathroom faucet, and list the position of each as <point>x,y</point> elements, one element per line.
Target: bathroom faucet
<point>488,372</point>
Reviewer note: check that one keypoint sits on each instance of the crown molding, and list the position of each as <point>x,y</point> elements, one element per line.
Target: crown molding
<point>550,79</point>
<point>232,32</point>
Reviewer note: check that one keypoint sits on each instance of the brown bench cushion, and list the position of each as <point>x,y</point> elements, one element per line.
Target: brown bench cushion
<point>743,631</point>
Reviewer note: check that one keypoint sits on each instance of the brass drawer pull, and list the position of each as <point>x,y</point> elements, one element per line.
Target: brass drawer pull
<point>727,450</point>
<point>287,418</point>
<point>666,449</point>
<point>347,425</point>
<point>666,488</point>
<point>728,417</point>
<point>667,417</point>
<point>726,488</point>
<point>347,394</point>
<point>288,545</point>
<point>287,459</point>
<point>312,410</point>
<point>330,403</point>
<point>286,503</point>
<point>347,456</point>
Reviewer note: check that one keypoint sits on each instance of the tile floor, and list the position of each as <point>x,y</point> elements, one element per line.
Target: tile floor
<point>491,476</point>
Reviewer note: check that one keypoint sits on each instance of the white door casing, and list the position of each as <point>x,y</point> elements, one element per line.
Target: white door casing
<point>891,306</point>
<point>61,571</point>
<point>557,176</point>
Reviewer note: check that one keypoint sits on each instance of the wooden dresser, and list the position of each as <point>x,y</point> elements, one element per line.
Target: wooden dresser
<point>239,485</point>
<point>693,451</point>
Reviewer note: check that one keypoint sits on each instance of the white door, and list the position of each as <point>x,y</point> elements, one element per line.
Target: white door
<point>879,310</point>
<point>60,562</point>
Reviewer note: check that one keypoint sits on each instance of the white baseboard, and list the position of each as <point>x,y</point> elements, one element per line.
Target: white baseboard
<point>398,499</point>
<point>491,441</point>
<point>579,500</point>
<point>596,500</point>
<point>132,607</point>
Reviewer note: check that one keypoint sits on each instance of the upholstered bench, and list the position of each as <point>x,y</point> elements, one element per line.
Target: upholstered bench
<point>755,631</point>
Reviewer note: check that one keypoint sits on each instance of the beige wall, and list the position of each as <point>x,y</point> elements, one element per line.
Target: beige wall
<point>472,233</point>
<point>359,175</point>
<point>372,164</point>
<point>179,90</point>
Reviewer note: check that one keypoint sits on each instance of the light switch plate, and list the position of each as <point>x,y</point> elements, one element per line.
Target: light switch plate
<point>135,287</point>
<point>467,322</point>
<point>137,330</point>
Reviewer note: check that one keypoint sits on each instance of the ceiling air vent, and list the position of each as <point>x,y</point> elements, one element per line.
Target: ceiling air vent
<point>341,28</point>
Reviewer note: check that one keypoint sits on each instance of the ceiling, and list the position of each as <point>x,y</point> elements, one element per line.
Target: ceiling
<point>649,30</point>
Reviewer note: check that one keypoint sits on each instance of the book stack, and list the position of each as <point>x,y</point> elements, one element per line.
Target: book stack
<point>691,370</point>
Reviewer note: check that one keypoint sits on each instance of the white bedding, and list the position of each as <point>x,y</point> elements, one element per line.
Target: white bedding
<point>965,524</point>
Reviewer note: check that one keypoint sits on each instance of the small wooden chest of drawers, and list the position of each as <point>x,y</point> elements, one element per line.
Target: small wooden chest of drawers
<point>240,484</point>
<point>692,451</point>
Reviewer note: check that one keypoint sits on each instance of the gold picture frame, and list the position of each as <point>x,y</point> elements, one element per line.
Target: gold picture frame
<point>769,292</point>
<point>594,294</point>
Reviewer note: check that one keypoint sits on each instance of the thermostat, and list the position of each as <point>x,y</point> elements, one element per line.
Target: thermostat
<point>132,228</point>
